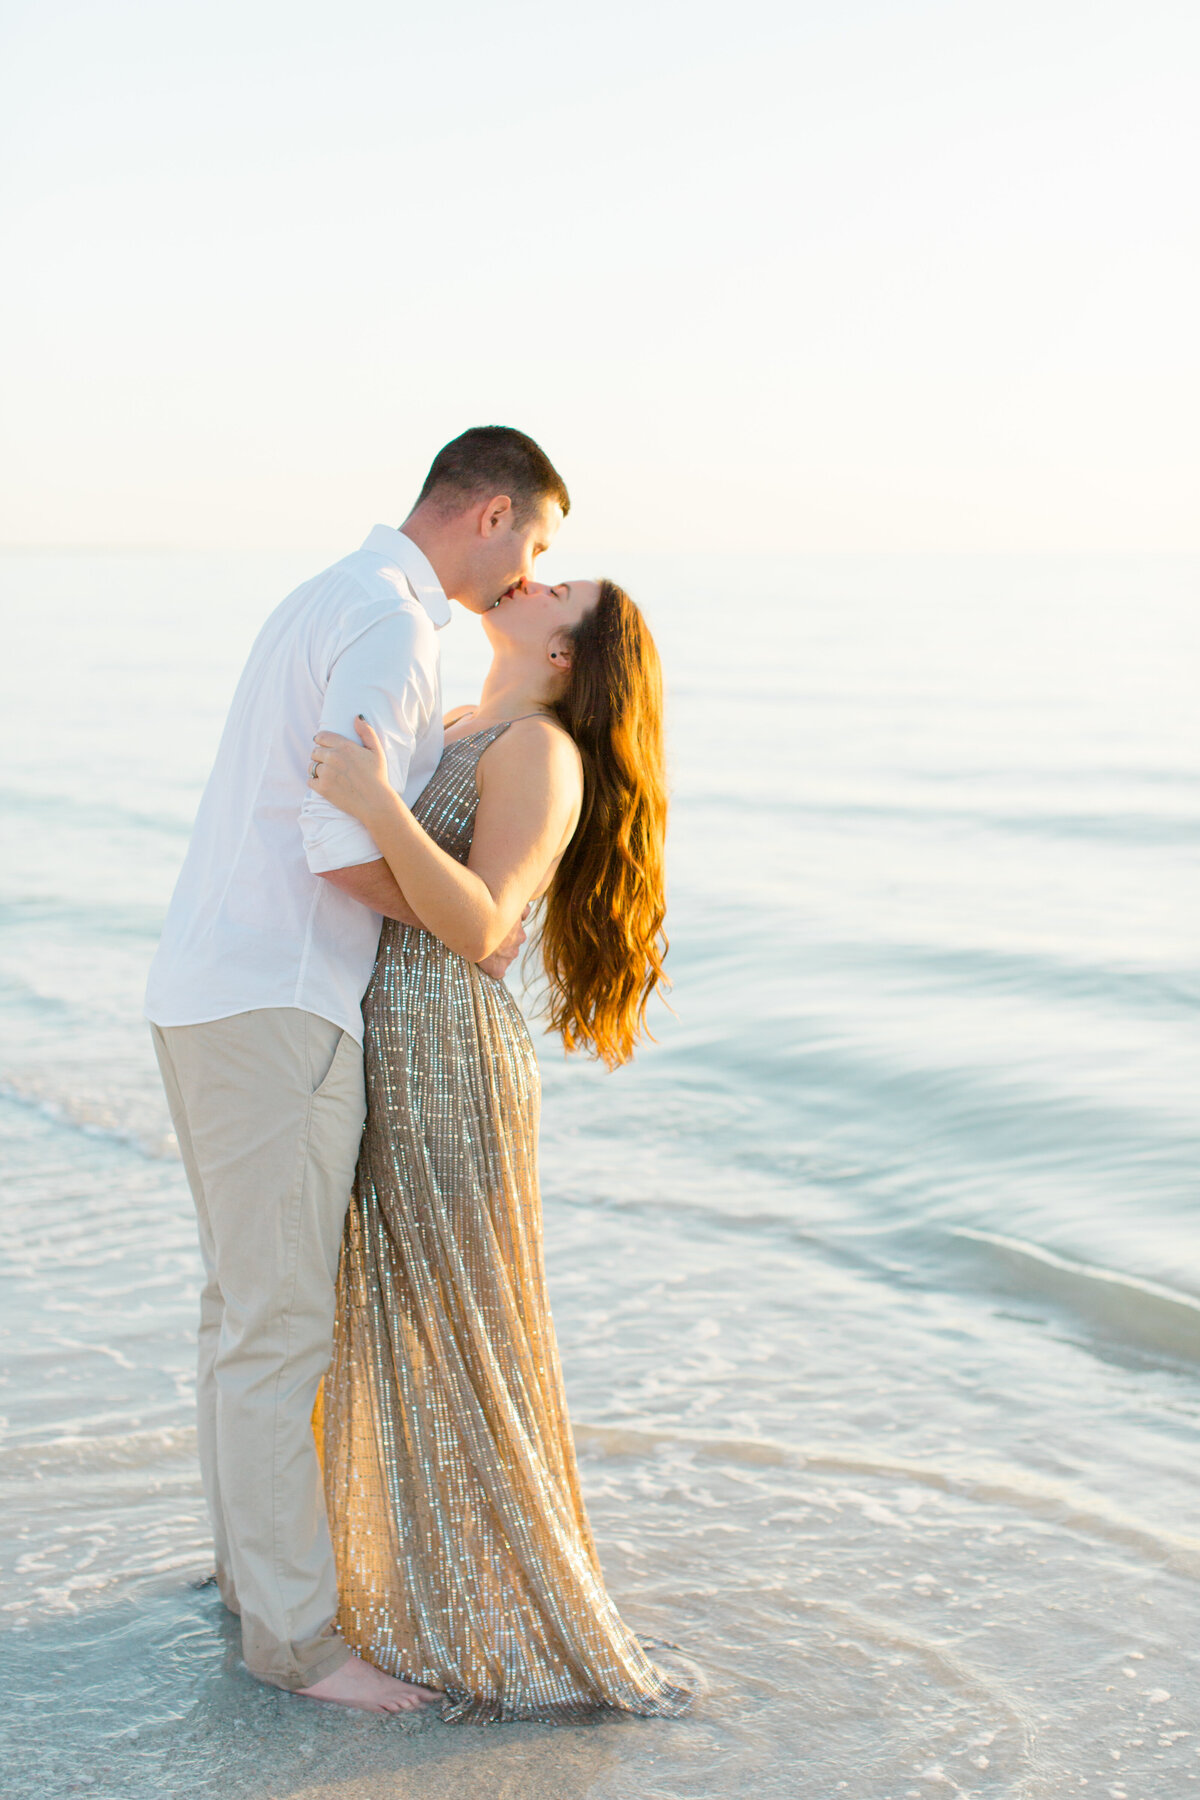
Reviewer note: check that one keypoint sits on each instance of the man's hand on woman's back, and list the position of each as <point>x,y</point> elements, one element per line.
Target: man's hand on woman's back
<point>505,955</point>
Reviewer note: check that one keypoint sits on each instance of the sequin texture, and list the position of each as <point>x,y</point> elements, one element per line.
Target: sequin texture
<point>465,1558</point>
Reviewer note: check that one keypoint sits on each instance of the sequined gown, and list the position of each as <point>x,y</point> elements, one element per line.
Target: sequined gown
<point>464,1555</point>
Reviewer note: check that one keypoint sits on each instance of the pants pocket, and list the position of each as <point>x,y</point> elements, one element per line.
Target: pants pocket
<point>323,1045</point>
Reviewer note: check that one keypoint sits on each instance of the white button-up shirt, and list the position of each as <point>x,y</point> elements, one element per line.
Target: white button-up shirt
<point>251,923</point>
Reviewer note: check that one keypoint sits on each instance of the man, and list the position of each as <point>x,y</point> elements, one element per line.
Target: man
<point>254,1002</point>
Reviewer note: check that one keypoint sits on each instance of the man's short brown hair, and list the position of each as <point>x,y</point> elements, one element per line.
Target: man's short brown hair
<point>494,459</point>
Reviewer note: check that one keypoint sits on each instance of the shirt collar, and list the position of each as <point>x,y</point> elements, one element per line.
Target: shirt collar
<point>416,567</point>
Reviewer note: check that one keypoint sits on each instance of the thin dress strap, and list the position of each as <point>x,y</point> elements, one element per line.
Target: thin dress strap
<point>503,724</point>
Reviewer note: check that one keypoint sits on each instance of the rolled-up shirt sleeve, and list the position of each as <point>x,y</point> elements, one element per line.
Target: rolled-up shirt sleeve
<point>384,674</point>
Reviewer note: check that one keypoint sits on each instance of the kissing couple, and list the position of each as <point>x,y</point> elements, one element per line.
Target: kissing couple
<point>355,1096</point>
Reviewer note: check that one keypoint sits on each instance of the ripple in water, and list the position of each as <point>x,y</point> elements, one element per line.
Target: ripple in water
<point>876,1279</point>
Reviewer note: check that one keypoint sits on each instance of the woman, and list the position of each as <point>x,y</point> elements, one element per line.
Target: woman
<point>465,1559</point>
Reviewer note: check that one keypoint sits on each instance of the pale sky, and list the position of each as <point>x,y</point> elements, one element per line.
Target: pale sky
<point>854,274</point>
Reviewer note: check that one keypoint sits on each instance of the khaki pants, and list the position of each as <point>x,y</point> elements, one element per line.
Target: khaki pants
<point>268,1107</point>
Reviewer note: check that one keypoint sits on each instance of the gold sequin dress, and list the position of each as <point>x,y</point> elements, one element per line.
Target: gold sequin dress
<point>464,1555</point>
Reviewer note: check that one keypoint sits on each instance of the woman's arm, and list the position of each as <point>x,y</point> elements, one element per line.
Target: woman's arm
<point>530,787</point>
<point>373,885</point>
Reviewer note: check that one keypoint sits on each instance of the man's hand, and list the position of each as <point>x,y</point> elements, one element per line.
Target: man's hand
<point>501,960</point>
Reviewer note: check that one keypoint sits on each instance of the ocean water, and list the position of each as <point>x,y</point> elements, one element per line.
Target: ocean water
<point>877,1277</point>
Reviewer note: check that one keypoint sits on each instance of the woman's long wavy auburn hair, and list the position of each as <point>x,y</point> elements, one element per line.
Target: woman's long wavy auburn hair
<point>602,930</point>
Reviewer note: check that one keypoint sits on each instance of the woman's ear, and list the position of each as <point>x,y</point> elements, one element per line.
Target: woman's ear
<point>559,652</point>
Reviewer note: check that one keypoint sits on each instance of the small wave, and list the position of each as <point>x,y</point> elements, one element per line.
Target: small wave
<point>124,1450</point>
<point>950,1669</point>
<point>991,1484</point>
<point>91,1118</point>
<point>987,969</point>
<point>1145,1312</point>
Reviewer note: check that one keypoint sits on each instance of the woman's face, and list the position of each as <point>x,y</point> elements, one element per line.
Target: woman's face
<point>531,617</point>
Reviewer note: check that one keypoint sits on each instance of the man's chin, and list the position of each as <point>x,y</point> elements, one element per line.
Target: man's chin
<point>481,607</point>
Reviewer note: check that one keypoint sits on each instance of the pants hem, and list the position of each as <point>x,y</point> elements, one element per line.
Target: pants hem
<point>331,1659</point>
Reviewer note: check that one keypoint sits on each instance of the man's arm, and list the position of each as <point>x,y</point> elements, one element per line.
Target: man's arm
<point>336,846</point>
<point>373,884</point>
<point>388,674</point>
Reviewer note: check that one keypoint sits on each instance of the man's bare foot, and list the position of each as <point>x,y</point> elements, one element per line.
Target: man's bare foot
<point>358,1683</point>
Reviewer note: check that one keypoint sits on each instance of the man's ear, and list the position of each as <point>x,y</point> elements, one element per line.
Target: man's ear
<point>492,516</point>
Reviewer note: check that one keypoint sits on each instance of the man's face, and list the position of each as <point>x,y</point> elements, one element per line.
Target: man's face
<point>504,554</point>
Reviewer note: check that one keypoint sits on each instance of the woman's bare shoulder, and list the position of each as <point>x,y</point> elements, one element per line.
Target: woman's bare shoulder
<point>543,736</point>
<point>534,743</point>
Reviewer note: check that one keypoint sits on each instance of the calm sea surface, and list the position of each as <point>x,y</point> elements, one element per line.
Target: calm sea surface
<point>877,1278</point>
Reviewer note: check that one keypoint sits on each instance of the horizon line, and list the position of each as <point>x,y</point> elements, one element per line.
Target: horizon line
<point>129,547</point>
